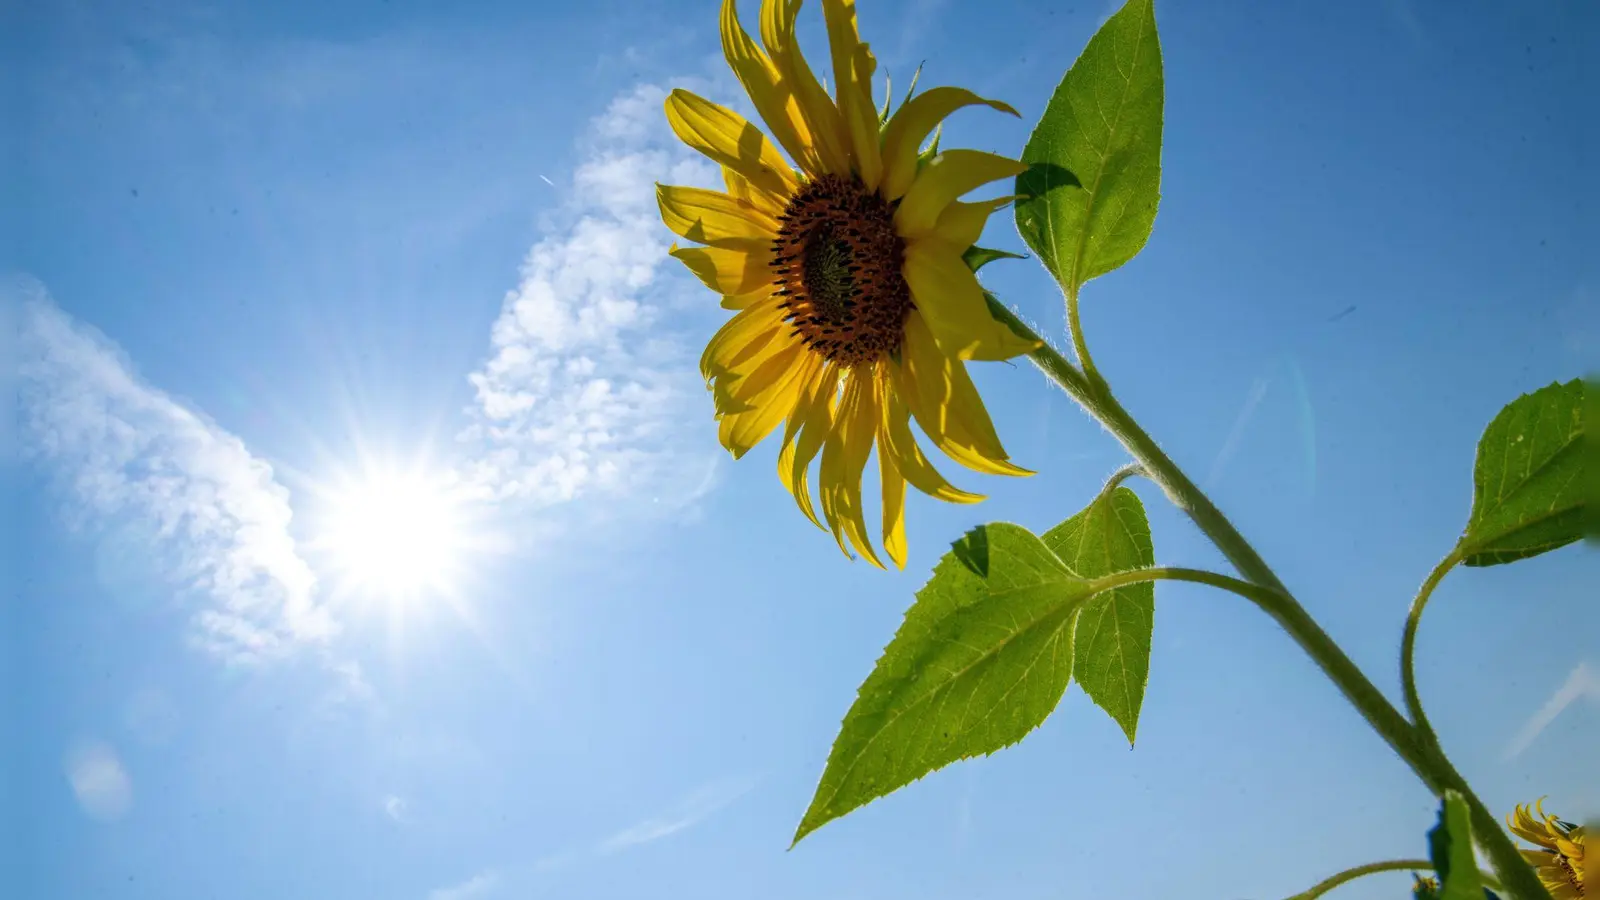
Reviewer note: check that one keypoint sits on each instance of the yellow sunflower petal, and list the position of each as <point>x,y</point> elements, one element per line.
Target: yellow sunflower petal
<point>712,217</point>
<point>809,425</point>
<point>946,404</point>
<point>853,67</point>
<point>727,270</point>
<point>946,177</point>
<point>832,445</point>
<point>1530,829</point>
<point>968,426</point>
<point>730,141</point>
<point>844,456</point>
<point>740,188</point>
<point>733,342</point>
<point>747,300</point>
<point>812,371</point>
<point>961,224</point>
<point>920,377</point>
<point>742,431</point>
<point>947,293</point>
<point>910,127</point>
<point>895,439</point>
<point>821,115</point>
<point>737,394</point>
<point>894,509</point>
<point>769,91</point>
<point>742,361</point>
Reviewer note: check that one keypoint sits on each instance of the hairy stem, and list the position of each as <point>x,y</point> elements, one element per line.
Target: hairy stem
<point>1348,875</point>
<point>1408,647</point>
<point>1264,597</point>
<point>1429,765</point>
<point>1079,345</point>
<point>1351,874</point>
<point>1131,470</point>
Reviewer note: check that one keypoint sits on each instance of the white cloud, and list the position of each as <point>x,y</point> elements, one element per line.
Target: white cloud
<point>696,808</point>
<point>586,382</point>
<point>99,781</point>
<point>209,514</point>
<point>394,807</point>
<point>477,886</point>
<point>1582,683</point>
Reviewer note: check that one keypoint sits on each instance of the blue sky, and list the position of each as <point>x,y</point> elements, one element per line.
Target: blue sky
<point>263,251</point>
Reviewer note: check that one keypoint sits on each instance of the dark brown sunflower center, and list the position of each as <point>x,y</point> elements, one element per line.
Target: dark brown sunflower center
<point>838,263</point>
<point>1571,873</point>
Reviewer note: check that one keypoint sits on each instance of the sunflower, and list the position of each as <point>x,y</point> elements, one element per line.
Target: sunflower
<point>1559,859</point>
<point>856,310</point>
<point>1427,888</point>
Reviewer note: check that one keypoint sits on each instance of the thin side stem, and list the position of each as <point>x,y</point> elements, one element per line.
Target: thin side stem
<point>1429,765</point>
<point>1131,470</point>
<point>1394,865</point>
<point>1266,598</point>
<point>1348,875</point>
<point>1079,345</point>
<point>1408,648</point>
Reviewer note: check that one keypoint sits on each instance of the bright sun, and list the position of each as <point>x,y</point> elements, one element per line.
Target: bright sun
<point>395,534</point>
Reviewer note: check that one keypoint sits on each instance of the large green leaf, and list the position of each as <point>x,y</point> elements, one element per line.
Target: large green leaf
<point>1528,484</point>
<point>1111,651</point>
<point>983,656</point>
<point>1450,848</point>
<point>1095,156</point>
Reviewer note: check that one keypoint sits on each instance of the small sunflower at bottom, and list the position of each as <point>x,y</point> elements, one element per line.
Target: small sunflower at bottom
<point>1559,859</point>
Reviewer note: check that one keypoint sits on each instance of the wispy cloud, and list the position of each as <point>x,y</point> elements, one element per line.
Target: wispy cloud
<point>209,512</point>
<point>1582,683</point>
<point>696,807</point>
<point>585,382</point>
<point>1258,391</point>
<point>700,805</point>
<point>478,885</point>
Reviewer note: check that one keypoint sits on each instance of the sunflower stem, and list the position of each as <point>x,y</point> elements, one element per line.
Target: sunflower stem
<point>1264,597</point>
<point>1408,648</point>
<point>1131,470</point>
<point>1080,346</point>
<point>1426,761</point>
<point>1351,874</point>
<point>1393,865</point>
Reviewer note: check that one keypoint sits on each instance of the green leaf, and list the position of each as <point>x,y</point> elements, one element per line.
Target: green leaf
<point>1111,653</point>
<point>977,257</point>
<point>983,656</point>
<point>1095,156</point>
<point>1528,484</point>
<point>1450,848</point>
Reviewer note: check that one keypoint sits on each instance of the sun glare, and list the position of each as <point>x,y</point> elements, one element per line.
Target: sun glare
<point>395,534</point>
